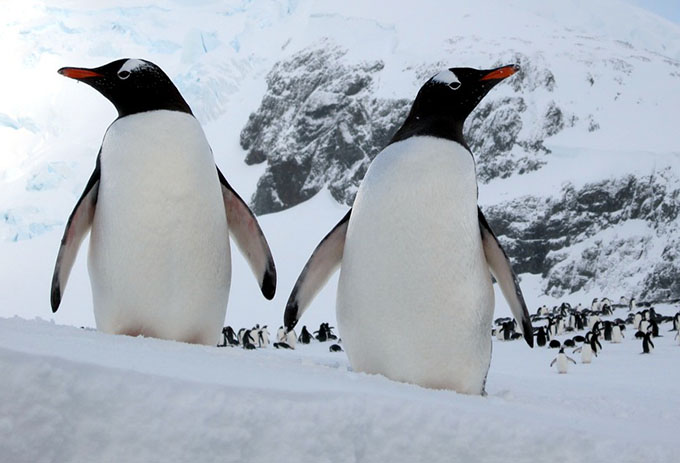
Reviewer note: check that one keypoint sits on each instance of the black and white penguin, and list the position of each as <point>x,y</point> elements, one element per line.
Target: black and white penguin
<point>229,337</point>
<point>335,348</point>
<point>617,334</point>
<point>562,361</point>
<point>305,336</point>
<point>541,336</point>
<point>607,330</point>
<point>159,213</point>
<point>248,341</point>
<point>416,251</point>
<point>554,344</point>
<point>589,348</point>
<point>263,337</point>
<point>569,343</point>
<point>647,343</point>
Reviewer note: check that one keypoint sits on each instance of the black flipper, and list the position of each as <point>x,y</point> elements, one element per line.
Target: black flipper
<point>501,269</point>
<point>323,262</point>
<point>247,234</point>
<point>77,226</point>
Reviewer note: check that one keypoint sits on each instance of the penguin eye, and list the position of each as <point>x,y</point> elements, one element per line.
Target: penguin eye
<point>454,85</point>
<point>122,75</point>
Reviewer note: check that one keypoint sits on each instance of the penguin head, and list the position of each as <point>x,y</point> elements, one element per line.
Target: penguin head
<point>455,92</point>
<point>132,85</point>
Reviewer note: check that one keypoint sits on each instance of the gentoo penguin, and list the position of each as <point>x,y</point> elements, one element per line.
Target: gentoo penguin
<point>305,336</point>
<point>647,343</point>
<point>617,334</point>
<point>562,361</point>
<point>587,350</point>
<point>417,253</point>
<point>263,337</point>
<point>160,213</point>
<point>541,337</point>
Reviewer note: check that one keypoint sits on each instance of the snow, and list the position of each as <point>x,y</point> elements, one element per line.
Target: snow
<point>76,393</point>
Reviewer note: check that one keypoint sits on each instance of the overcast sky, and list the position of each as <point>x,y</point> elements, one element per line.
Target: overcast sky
<point>669,9</point>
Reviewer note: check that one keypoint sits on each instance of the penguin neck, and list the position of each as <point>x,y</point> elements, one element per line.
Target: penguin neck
<point>436,126</point>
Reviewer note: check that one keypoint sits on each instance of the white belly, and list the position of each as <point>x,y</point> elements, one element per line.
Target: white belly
<point>415,301</point>
<point>159,258</point>
<point>562,363</point>
<point>586,354</point>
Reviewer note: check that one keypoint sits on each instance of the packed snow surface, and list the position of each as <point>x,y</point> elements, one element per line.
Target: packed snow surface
<point>70,394</point>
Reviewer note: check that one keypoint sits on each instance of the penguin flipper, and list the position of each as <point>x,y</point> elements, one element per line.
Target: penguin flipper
<point>245,230</point>
<point>324,261</point>
<point>77,226</point>
<point>500,267</point>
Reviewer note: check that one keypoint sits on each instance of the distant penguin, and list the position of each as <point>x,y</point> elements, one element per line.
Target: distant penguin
<point>281,334</point>
<point>541,338</point>
<point>647,343</point>
<point>263,336</point>
<point>291,338</point>
<point>415,224</point>
<point>607,330</point>
<point>335,348</point>
<point>282,345</point>
<point>248,340</point>
<point>595,305</point>
<point>592,320</point>
<point>654,328</point>
<point>676,322</point>
<point>562,361</point>
<point>637,319</point>
<point>632,304</point>
<point>305,336</point>
<point>159,213</point>
<point>586,353</point>
<point>579,338</point>
<point>617,334</point>
<point>569,343</point>
<point>554,344</point>
<point>229,337</point>
<point>588,349</point>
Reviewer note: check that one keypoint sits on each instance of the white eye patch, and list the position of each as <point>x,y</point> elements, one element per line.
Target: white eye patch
<point>132,65</point>
<point>447,77</point>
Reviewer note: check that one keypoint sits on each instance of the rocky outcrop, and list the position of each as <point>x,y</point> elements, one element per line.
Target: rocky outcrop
<point>319,125</point>
<point>598,236</point>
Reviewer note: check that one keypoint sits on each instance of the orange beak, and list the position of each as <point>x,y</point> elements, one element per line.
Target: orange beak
<point>78,73</point>
<point>501,73</point>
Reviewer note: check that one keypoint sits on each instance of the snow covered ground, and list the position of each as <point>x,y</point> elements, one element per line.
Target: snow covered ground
<point>77,395</point>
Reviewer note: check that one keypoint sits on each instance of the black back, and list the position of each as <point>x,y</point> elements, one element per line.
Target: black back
<point>133,86</point>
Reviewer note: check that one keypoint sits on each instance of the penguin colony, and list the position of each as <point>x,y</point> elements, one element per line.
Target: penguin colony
<point>599,324</point>
<point>257,337</point>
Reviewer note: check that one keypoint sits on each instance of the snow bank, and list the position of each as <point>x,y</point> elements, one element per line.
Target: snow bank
<point>75,395</point>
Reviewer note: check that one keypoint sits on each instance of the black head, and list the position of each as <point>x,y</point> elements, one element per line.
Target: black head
<point>132,85</point>
<point>447,99</point>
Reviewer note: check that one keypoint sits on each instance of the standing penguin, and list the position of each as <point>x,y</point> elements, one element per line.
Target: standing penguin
<point>417,253</point>
<point>647,343</point>
<point>160,213</point>
<point>305,336</point>
<point>617,334</point>
<point>588,349</point>
<point>562,361</point>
